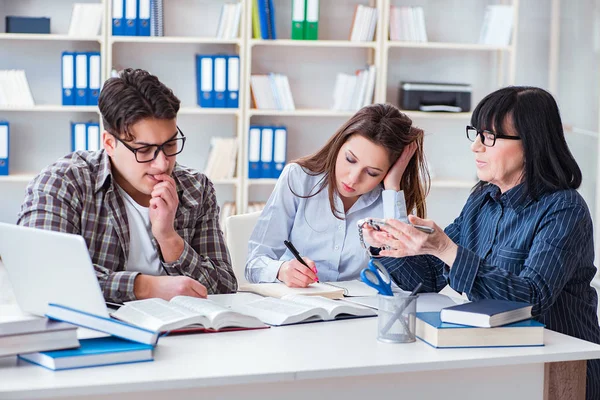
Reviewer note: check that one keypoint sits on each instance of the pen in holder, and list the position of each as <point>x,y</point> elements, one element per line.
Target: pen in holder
<point>397,318</point>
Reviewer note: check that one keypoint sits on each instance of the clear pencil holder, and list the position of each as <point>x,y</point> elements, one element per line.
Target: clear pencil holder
<point>397,318</point>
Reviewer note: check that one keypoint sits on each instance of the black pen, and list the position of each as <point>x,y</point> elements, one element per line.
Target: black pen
<point>291,247</point>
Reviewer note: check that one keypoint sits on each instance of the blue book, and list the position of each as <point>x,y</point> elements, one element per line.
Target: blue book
<point>68,78</point>
<point>438,334</point>
<point>487,313</point>
<point>254,149</point>
<point>263,17</point>
<point>4,147</point>
<point>118,17</point>
<point>205,80</point>
<point>92,353</point>
<point>233,81</point>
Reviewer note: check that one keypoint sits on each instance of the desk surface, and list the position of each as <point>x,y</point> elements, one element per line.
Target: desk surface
<point>279,354</point>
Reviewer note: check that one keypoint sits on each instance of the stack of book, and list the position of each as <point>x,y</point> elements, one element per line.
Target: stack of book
<point>497,25</point>
<point>363,24</point>
<point>14,89</point>
<point>353,92</point>
<point>407,24</point>
<point>222,158</point>
<point>484,323</point>
<point>271,92</point>
<point>86,20</point>
<point>229,21</point>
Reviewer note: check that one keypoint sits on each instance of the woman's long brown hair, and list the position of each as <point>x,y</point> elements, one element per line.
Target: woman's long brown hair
<point>384,125</point>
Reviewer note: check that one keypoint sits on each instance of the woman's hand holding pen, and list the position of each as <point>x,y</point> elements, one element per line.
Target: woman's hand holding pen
<point>294,274</point>
<point>394,175</point>
<point>404,240</point>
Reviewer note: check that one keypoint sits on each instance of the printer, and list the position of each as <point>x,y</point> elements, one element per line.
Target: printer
<point>428,96</point>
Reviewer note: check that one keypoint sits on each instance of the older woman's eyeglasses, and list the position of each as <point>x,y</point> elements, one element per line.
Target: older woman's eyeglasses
<point>488,138</point>
<point>149,153</point>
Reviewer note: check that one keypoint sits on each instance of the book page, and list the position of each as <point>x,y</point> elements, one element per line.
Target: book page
<point>217,316</point>
<point>333,307</point>
<point>354,288</point>
<point>280,312</point>
<point>156,314</point>
<point>279,290</point>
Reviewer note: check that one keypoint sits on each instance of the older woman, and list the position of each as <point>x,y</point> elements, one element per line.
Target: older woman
<point>525,234</point>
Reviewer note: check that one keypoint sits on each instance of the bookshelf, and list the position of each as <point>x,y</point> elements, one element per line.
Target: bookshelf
<point>451,55</point>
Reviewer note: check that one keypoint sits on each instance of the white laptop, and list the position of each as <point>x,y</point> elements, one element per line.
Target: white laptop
<point>50,267</point>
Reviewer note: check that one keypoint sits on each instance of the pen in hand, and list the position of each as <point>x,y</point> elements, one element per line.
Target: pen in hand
<point>291,247</point>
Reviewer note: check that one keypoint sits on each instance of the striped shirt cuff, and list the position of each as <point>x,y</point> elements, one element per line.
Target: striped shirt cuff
<point>464,270</point>
<point>118,287</point>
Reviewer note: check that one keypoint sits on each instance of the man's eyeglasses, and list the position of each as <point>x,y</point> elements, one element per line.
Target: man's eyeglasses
<point>149,153</point>
<point>488,138</point>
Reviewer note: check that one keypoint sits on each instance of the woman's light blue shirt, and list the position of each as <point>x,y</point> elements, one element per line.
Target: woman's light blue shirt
<point>310,225</point>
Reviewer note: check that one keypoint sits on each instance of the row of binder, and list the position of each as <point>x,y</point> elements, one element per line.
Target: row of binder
<point>263,19</point>
<point>81,77</point>
<point>267,151</point>
<point>85,136</point>
<point>4,147</point>
<point>218,80</point>
<point>137,17</point>
<point>305,20</point>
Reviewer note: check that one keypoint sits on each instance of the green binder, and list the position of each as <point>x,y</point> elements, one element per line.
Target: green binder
<point>255,20</point>
<point>298,19</point>
<point>311,31</point>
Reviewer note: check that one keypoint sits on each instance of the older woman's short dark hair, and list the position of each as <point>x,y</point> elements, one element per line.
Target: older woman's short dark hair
<point>549,164</point>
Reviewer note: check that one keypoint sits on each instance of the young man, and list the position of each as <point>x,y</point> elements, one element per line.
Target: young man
<point>151,225</point>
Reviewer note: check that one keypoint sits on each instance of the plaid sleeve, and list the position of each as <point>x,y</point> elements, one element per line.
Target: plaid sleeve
<point>206,259</point>
<point>55,200</point>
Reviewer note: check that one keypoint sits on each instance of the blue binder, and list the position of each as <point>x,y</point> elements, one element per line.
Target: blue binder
<point>131,17</point>
<point>233,82</point>
<point>279,151</point>
<point>78,136</point>
<point>144,18</point>
<point>263,19</point>
<point>81,79</point>
<point>271,19</point>
<point>220,81</point>
<point>94,77</point>
<point>68,78</point>
<point>118,17</point>
<point>205,80</point>
<point>266,152</point>
<point>92,136</point>
<point>254,135</point>
<point>4,147</point>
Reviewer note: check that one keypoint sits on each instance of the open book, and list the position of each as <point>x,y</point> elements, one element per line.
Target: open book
<point>280,289</point>
<point>183,312</point>
<point>292,309</point>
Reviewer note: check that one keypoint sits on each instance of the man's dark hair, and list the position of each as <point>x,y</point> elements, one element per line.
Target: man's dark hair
<point>133,96</point>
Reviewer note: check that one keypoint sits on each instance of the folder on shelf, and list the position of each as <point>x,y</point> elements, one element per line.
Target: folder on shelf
<point>131,17</point>
<point>4,147</point>
<point>156,18</point>
<point>81,79</point>
<point>220,81</point>
<point>233,81</point>
<point>254,152</point>
<point>118,17</point>
<point>255,20</point>
<point>204,80</point>
<point>94,71</point>
<point>266,152</point>
<point>143,23</point>
<point>298,18</point>
<point>78,136</point>
<point>93,136</point>
<point>271,19</point>
<point>311,30</point>
<point>68,78</point>
<point>263,17</point>
<point>279,151</point>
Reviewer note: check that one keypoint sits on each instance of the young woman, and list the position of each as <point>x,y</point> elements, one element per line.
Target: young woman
<point>525,234</point>
<point>373,166</point>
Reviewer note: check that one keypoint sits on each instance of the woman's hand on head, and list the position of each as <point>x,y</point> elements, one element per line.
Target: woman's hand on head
<point>403,240</point>
<point>294,274</point>
<point>394,174</point>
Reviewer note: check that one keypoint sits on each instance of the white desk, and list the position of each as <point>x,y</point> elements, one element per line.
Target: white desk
<point>332,360</point>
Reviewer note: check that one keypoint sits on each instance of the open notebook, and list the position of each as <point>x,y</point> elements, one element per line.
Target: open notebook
<point>293,309</point>
<point>183,312</point>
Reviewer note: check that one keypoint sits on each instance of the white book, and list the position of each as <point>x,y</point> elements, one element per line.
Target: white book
<point>287,93</point>
<point>86,20</point>
<point>355,34</point>
<point>370,91</point>
<point>348,92</point>
<point>497,25</point>
<point>293,309</point>
<point>420,19</point>
<point>25,91</point>
<point>340,80</point>
<point>235,29</point>
<point>183,312</point>
<point>361,87</point>
<point>372,25</point>
<point>221,25</point>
